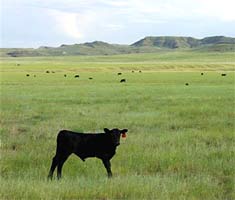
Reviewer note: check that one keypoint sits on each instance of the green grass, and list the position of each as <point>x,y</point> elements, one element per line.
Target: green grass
<point>162,61</point>
<point>180,143</point>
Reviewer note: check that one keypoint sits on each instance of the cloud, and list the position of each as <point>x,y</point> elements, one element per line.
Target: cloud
<point>76,21</point>
<point>217,9</point>
<point>66,22</point>
<point>72,24</point>
<point>116,4</point>
<point>115,27</point>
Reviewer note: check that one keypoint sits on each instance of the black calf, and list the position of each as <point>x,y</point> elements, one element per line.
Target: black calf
<point>102,146</point>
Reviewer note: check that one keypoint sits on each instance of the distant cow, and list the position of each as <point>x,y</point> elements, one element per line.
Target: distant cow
<point>122,80</point>
<point>52,72</point>
<point>76,76</point>
<point>47,71</point>
<point>27,74</point>
<point>140,71</point>
<point>85,145</point>
<point>132,71</point>
<point>65,75</point>
<point>186,84</point>
<point>223,74</point>
<point>119,73</point>
<point>202,74</point>
<point>90,78</point>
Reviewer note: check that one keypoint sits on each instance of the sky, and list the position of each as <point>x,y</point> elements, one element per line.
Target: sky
<point>35,23</point>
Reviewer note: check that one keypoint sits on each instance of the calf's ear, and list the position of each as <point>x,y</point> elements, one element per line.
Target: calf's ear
<point>106,130</point>
<point>124,131</point>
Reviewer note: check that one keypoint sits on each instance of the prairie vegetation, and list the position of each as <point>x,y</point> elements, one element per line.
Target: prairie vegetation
<point>180,143</point>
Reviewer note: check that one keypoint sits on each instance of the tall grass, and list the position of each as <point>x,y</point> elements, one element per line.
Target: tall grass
<point>180,143</point>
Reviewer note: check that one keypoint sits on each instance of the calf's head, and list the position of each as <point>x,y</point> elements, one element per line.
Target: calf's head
<point>115,134</point>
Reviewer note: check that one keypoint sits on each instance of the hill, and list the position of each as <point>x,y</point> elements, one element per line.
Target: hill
<point>168,42</point>
<point>183,42</point>
<point>145,45</point>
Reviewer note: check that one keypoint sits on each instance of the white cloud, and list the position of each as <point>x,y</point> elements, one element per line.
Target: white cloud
<point>78,21</point>
<point>183,9</point>
<point>217,9</point>
<point>115,27</point>
<point>72,24</point>
<point>114,3</point>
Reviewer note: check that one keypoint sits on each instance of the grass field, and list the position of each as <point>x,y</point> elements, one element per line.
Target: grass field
<point>180,143</point>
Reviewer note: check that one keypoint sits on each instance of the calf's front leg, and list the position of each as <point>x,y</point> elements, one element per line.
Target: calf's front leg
<point>53,166</point>
<point>107,165</point>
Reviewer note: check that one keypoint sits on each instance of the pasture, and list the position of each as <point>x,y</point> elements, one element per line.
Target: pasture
<point>180,143</point>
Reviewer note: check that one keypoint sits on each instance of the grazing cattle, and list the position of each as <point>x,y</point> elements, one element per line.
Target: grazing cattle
<point>122,80</point>
<point>47,71</point>
<point>140,71</point>
<point>65,75</point>
<point>186,84</point>
<point>133,71</point>
<point>119,73</point>
<point>99,145</point>
<point>13,147</point>
<point>90,78</point>
<point>27,74</point>
<point>76,76</point>
<point>52,72</point>
<point>202,74</point>
<point>223,74</point>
